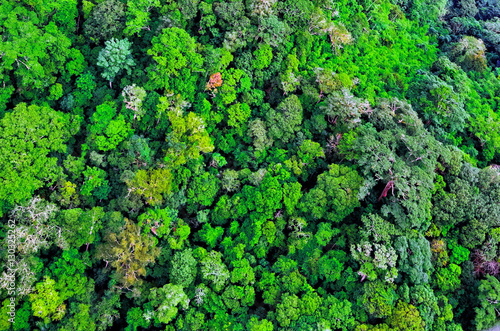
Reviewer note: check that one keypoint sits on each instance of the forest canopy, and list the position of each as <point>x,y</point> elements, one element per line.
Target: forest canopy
<point>249,165</point>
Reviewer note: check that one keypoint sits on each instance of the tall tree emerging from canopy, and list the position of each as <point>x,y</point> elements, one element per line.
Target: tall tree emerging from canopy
<point>27,135</point>
<point>129,252</point>
<point>115,57</point>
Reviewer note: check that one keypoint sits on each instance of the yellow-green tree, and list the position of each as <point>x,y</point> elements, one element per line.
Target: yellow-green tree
<point>129,252</point>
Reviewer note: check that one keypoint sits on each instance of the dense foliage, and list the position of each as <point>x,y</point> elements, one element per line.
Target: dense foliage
<point>249,165</point>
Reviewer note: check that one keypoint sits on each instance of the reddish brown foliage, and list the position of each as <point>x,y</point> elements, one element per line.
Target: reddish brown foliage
<point>482,266</point>
<point>214,81</point>
<point>388,186</point>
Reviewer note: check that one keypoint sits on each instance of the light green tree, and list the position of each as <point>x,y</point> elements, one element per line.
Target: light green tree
<point>28,134</point>
<point>164,302</point>
<point>114,58</point>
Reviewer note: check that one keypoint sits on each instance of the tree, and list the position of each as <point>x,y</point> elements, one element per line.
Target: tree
<point>230,181</point>
<point>107,128</point>
<point>80,227</point>
<point>183,268</point>
<point>414,258</point>
<point>95,183</point>
<point>188,138</point>
<point>403,158</point>
<point>176,62</point>
<point>129,251</point>
<point>133,97</point>
<point>107,20</point>
<point>138,16</point>
<point>254,324</point>
<point>489,299</point>
<point>105,311</point>
<point>285,121</point>
<point>163,302</point>
<point>304,161</point>
<point>37,52</point>
<point>329,267</point>
<point>237,298</point>
<point>135,319</point>
<point>203,189</point>
<point>335,195</point>
<point>378,298</point>
<point>448,278</point>
<point>28,134</point>
<point>288,310</point>
<point>469,52</point>
<point>214,82</point>
<point>69,274</point>
<point>258,131</point>
<point>406,317</point>
<point>46,302</point>
<point>80,319</point>
<point>35,228</point>
<point>336,314</point>
<point>209,235</point>
<point>242,272</point>
<point>345,110</point>
<point>470,197</point>
<point>214,270</point>
<point>440,100</point>
<point>114,58</point>
<point>263,56</point>
<point>238,114</point>
<point>152,185</point>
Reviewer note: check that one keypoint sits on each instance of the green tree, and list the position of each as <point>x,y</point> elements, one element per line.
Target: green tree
<point>405,317</point>
<point>135,319</point>
<point>418,265</point>
<point>114,58</point>
<point>107,20</point>
<point>214,270</point>
<point>489,300</point>
<point>448,279</point>
<point>138,16</point>
<point>107,128</point>
<point>176,62</point>
<point>37,51</point>
<point>263,56</point>
<point>188,137</point>
<point>203,189</point>
<point>28,134</point>
<point>335,195</point>
<point>288,310</point>
<point>254,324</point>
<point>152,185</point>
<point>285,121</point>
<point>80,319</point>
<point>46,301</point>
<point>378,298</point>
<point>80,227</point>
<point>95,183</point>
<point>163,302</point>
<point>183,268</point>
<point>336,314</point>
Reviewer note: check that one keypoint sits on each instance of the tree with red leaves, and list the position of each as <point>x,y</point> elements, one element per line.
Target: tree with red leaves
<point>214,82</point>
